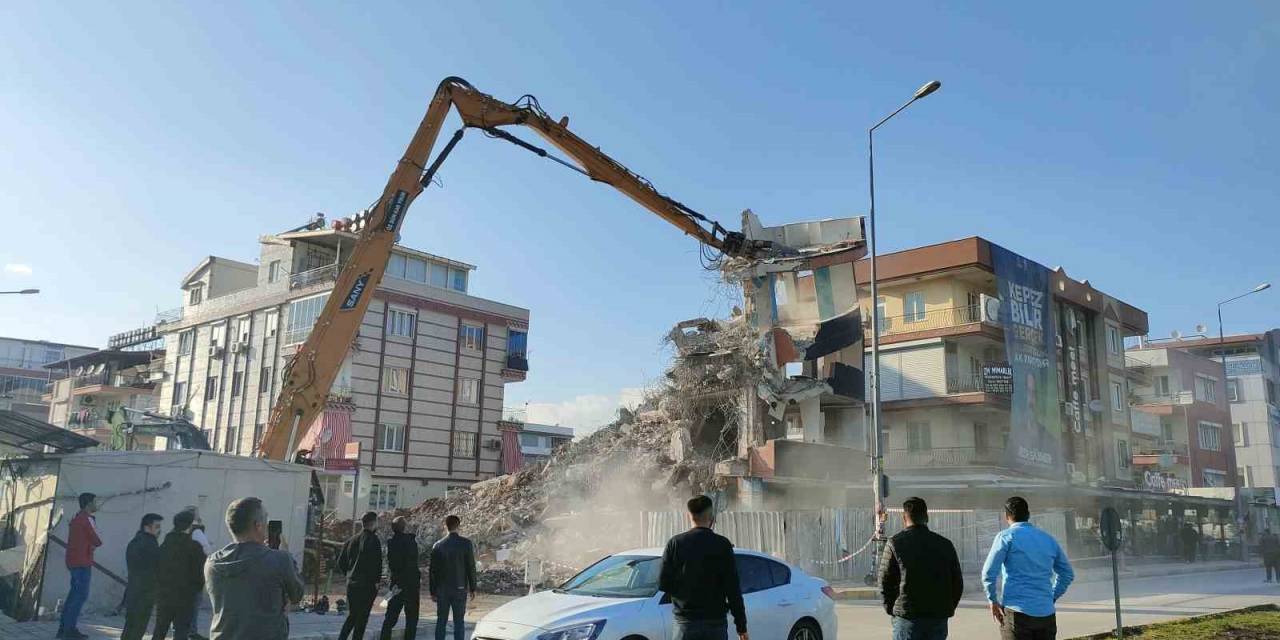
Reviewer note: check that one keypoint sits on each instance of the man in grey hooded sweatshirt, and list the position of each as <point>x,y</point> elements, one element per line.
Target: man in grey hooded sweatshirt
<point>249,583</point>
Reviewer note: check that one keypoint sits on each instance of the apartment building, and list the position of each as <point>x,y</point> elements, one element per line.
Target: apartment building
<point>539,441</point>
<point>23,376</point>
<point>97,388</point>
<point>418,400</point>
<point>1181,421</point>
<point>996,371</point>
<point>1253,376</point>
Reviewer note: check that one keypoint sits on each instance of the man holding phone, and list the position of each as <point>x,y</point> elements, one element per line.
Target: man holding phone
<point>249,583</point>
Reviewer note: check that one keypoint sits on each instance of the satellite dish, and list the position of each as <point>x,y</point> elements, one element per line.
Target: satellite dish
<point>326,436</point>
<point>1201,328</point>
<point>1176,335</point>
<point>1095,405</point>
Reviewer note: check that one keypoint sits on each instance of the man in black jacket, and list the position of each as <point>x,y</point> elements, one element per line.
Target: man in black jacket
<point>701,576</point>
<point>141,557</point>
<point>402,564</point>
<point>179,576</point>
<point>920,579</point>
<point>361,561</point>
<point>451,578</point>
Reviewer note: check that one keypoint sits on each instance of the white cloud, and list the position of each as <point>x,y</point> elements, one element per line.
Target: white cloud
<point>584,413</point>
<point>18,269</point>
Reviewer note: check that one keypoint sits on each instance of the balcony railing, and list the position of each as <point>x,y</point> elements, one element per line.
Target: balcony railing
<point>1181,397</point>
<point>341,393</point>
<point>513,415</point>
<point>941,457</point>
<point>327,273</point>
<point>964,383</point>
<point>935,319</point>
<point>171,315</point>
<point>110,379</point>
<point>1176,448</point>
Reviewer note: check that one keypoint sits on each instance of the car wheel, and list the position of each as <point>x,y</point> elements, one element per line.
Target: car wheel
<point>805,630</point>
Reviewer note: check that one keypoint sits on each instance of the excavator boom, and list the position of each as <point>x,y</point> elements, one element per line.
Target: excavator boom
<point>311,372</point>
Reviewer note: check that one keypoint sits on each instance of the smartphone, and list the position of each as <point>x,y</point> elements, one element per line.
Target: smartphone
<point>274,528</point>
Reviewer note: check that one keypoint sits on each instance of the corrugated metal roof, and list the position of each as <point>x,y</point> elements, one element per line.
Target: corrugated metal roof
<point>28,434</point>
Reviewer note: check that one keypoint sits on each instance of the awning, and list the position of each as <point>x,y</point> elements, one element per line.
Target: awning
<point>512,457</point>
<point>29,435</point>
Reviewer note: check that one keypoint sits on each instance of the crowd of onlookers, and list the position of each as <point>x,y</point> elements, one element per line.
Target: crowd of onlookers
<point>252,581</point>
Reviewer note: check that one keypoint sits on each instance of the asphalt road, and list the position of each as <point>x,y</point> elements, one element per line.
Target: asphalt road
<point>1088,608</point>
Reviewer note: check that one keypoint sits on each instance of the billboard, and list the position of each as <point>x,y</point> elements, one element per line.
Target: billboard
<point>1035,429</point>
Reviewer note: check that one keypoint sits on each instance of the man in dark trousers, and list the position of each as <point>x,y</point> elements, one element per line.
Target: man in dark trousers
<point>1269,547</point>
<point>451,579</point>
<point>701,576</point>
<point>361,561</point>
<point>402,564</point>
<point>142,556</point>
<point>82,539</point>
<point>179,577</point>
<point>920,579</point>
<point>1190,538</point>
<point>1033,572</point>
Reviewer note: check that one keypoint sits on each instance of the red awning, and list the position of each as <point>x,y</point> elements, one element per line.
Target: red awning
<point>512,458</point>
<point>329,434</point>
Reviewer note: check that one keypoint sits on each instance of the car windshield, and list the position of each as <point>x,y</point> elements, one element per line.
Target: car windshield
<point>617,577</point>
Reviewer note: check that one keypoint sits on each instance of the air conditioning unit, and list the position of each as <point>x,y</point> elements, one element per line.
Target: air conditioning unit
<point>216,351</point>
<point>493,444</point>
<point>156,376</point>
<point>241,346</point>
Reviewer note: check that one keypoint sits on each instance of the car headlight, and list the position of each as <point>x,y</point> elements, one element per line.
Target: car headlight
<point>581,631</point>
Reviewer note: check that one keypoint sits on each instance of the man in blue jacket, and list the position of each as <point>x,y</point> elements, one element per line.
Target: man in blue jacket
<point>1035,573</point>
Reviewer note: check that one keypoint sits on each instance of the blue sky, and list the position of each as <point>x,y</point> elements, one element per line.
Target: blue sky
<point>1132,143</point>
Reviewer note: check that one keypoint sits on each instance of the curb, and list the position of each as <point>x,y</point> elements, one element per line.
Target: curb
<point>857,593</point>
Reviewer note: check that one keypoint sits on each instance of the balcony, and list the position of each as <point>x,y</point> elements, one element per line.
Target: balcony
<point>942,457</point>
<point>1162,399</point>
<point>964,383</point>
<point>327,273</point>
<point>517,367</point>
<point>110,379</point>
<point>341,393</point>
<point>166,317</point>
<point>1138,370</point>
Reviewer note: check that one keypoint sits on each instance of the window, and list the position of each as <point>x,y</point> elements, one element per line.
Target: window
<point>242,329</point>
<point>913,307</point>
<point>1233,390</point>
<point>273,271</point>
<point>395,380</point>
<point>1115,342</point>
<point>265,380</point>
<point>229,446</point>
<point>781,574</point>
<point>880,308</point>
<point>919,436</point>
<point>468,390</point>
<point>1206,389</point>
<point>1210,436</point>
<point>1214,478</point>
<point>1117,396</point>
<point>517,343</point>
<point>531,440</point>
<point>302,316</point>
<point>1271,392</point>
<point>472,337</point>
<point>1245,476</point>
<point>195,295</point>
<point>211,388</point>
<point>391,437</point>
<point>1160,384</point>
<point>415,270</point>
<point>1240,430</point>
<point>439,275</point>
<point>179,394</point>
<point>186,342</point>
<point>1122,454</point>
<point>218,335</point>
<point>395,266</point>
<point>383,497</point>
<point>237,383</point>
<point>400,322</point>
<point>980,436</point>
<point>757,574</point>
<point>464,443</point>
<point>458,280</point>
<point>272,323</point>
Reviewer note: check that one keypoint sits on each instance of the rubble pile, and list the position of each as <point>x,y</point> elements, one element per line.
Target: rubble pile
<point>587,500</point>
<point>501,579</point>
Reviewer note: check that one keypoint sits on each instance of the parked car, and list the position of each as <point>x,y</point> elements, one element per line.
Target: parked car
<point>617,598</point>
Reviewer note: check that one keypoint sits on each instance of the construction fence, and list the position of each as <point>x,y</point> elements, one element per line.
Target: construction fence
<point>834,543</point>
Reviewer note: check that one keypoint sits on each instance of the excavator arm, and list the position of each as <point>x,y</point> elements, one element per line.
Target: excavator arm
<point>311,372</point>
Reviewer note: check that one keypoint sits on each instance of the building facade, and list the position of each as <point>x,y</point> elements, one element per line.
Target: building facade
<point>956,405</point>
<point>1181,421</point>
<point>539,441</point>
<point>98,388</point>
<point>1253,382</point>
<point>418,399</point>
<point>23,376</point>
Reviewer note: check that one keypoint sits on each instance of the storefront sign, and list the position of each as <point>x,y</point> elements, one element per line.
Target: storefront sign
<point>342,466</point>
<point>997,378</point>
<point>1162,483</point>
<point>1244,367</point>
<point>1035,420</point>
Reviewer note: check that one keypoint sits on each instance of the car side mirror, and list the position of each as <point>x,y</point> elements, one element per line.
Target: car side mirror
<point>665,599</point>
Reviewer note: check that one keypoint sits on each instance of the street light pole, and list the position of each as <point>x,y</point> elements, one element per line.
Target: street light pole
<point>1222,355</point>
<point>22,292</point>
<point>877,435</point>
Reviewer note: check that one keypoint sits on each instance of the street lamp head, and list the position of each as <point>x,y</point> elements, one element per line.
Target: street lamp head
<point>1262,287</point>
<point>927,89</point>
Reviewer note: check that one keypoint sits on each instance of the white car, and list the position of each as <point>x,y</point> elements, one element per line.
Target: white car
<point>617,598</point>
